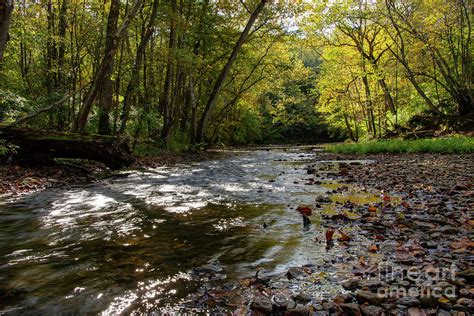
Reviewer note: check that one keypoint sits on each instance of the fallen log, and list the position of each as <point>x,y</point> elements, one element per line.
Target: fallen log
<point>42,147</point>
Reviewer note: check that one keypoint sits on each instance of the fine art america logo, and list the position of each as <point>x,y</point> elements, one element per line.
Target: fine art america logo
<point>428,281</point>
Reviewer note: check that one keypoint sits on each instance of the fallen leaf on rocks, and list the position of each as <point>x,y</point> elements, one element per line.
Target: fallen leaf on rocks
<point>245,282</point>
<point>304,210</point>
<point>344,236</point>
<point>372,209</point>
<point>329,234</point>
<point>374,248</point>
<point>463,243</point>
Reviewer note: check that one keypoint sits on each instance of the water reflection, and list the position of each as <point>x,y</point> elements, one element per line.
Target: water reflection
<point>130,243</point>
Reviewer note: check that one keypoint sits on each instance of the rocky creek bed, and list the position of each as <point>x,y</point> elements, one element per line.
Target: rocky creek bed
<point>398,234</point>
<point>290,231</point>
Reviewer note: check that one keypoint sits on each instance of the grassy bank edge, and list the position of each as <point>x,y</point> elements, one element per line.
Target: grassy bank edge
<point>450,145</point>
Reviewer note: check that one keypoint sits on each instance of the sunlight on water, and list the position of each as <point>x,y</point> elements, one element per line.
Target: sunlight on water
<point>121,245</point>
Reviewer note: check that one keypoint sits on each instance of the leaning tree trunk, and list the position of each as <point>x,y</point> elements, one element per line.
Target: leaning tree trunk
<point>211,103</point>
<point>104,69</point>
<point>6,9</point>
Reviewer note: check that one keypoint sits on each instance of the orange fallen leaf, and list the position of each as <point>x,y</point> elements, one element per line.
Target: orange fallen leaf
<point>374,248</point>
<point>339,300</point>
<point>462,243</point>
<point>372,209</point>
<point>245,282</point>
<point>344,237</point>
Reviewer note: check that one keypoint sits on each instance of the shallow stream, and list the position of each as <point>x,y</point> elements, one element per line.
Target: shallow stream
<point>131,242</point>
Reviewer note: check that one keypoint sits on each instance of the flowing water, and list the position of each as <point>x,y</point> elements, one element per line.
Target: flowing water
<point>130,243</point>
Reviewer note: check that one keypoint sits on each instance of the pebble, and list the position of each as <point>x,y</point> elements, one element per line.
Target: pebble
<point>369,297</point>
<point>371,310</point>
<point>295,273</point>
<point>303,298</point>
<point>467,274</point>
<point>409,301</point>
<point>208,268</point>
<point>351,309</point>
<point>262,304</point>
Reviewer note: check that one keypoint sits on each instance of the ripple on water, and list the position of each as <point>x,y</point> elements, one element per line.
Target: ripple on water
<point>130,243</point>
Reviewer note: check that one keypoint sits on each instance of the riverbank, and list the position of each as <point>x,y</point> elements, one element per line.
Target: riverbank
<point>16,179</point>
<point>398,237</point>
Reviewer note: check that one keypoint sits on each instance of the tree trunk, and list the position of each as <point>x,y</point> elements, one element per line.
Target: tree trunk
<point>211,103</point>
<point>106,86</point>
<point>104,69</point>
<point>6,9</point>
<point>166,99</point>
<point>134,80</point>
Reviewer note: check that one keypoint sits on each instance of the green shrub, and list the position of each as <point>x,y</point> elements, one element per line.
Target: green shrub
<point>449,145</point>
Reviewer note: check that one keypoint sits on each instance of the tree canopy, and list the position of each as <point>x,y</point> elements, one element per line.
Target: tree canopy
<point>180,73</point>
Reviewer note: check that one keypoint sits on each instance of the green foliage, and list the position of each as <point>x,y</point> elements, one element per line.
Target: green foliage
<point>449,145</point>
<point>311,77</point>
<point>6,148</point>
<point>12,104</point>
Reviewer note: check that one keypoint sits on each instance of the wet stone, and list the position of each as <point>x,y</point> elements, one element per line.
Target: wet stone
<point>208,268</point>
<point>371,310</point>
<point>466,293</point>
<point>351,284</point>
<point>467,274</point>
<point>448,230</point>
<point>351,309</point>
<point>284,303</point>
<point>461,308</point>
<point>408,301</point>
<point>329,306</point>
<point>299,311</point>
<point>369,297</point>
<point>428,301</point>
<point>303,298</point>
<point>295,273</point>
<point>465,302</point>
<point>442,312</point>
<point>262,304</point>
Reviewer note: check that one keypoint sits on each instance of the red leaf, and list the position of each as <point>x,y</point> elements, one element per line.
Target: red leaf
<point>329,234</point>
<point>304,210</point>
